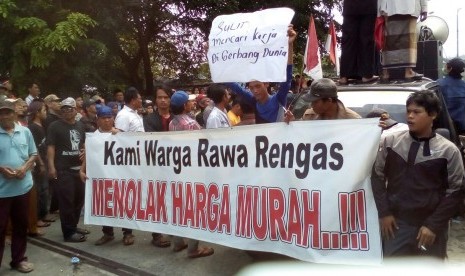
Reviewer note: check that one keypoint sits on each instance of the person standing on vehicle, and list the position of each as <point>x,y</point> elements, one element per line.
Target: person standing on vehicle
<point>357,44</point>
<point>417,183</point>
<point>453,90</point>
<point>400,46</point>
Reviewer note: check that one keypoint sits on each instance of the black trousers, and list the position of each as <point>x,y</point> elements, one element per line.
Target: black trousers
<point>358,46</point>
<point>405,243</point>
<point>71,192</point>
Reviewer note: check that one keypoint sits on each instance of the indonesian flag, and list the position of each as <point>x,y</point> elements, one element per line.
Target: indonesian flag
<point>331,46</point>
<point>312,60</point>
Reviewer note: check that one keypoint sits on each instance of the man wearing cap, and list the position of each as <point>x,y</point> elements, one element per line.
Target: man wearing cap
<point>53,103</point>
<point>89,119</point>
<point>34,93</point>
<point>18,154</point>
<point>65,141</point>
<point>453,90</point>
<point>202,102</point>
<point>105,122</point>
<point>181,106</point>
<point>325,104</point>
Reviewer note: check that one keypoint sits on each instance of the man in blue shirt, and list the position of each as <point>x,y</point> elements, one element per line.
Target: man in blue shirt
<point>269,108</point>
<point>18,154</point>
<point>453,90</point>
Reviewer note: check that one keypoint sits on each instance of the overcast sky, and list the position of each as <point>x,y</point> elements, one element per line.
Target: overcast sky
<point>447,10</point>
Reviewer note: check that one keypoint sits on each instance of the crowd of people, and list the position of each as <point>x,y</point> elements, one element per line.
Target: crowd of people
<point>43,170</point>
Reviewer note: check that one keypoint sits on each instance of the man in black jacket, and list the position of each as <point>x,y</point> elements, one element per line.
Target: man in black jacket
<point>160,119</point>
<point>417,183</point>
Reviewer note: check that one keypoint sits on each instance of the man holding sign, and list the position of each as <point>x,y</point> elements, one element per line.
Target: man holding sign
<point>270,108</point>
<point>250,48</point>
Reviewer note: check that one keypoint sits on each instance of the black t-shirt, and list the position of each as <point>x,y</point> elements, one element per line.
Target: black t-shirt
<point>38,133</point>
<point>68,141</point>
<point>49,120</point>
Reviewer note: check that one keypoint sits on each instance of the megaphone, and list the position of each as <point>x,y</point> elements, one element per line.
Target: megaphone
<point>433,28</point>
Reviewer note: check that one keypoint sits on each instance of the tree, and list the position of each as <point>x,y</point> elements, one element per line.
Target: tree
<point>33,36</point>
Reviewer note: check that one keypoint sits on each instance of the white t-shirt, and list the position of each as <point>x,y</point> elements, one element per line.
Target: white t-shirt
<point>128,120</point>
<point>217,119</point>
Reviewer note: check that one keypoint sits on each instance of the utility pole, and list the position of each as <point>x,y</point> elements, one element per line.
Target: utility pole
<point>458,31</point>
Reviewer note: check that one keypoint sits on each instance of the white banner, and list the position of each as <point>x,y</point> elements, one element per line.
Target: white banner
<point>301,189</point>
<point>250,46</point>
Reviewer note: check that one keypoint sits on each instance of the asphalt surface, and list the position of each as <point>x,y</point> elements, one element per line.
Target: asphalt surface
<point>52,256</point>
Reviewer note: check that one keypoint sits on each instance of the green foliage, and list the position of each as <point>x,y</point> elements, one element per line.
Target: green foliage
<point>64,45</point>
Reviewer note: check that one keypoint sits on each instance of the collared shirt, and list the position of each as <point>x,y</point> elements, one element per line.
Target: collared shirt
<point>217,119</point>
<point>29,99</point>
<point>129,121</point>
<point>183,122</point>
<point>15,149</point>
<point>342,113</point>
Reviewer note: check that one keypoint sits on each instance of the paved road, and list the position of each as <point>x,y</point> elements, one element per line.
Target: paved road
<point>53,257</point>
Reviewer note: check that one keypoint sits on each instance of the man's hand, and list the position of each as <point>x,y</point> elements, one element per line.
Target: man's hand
<point>52,173</point>
<point>8,173</point>
<point>291,34</point>
<point>388,226</point>
<point>288,116</point>
<point>425,237</point>
<point>21,172</point>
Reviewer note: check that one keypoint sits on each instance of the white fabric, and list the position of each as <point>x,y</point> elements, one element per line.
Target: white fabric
<point>392,7</point>
<point>310,189</point>
<point>250,46</point>
<point>217,119</point>
<point>128,120</point>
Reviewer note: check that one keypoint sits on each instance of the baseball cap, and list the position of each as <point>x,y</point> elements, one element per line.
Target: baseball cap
<point>179,98</point>
<point>68,102</point>
<point>51,98</point>
<point>376,112</point>
<point>321,89</point>
<point>202,100</point>
<point>456,64</point>
<point>6,103</point>
<point>104,112</point>
<point>88,102</point>
<point>192,97</point>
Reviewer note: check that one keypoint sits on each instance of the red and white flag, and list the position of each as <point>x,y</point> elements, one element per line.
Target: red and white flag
<point>312,60</point>
<point>331,46</point>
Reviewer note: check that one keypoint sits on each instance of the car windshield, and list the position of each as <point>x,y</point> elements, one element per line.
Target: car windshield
<point>363,102</point>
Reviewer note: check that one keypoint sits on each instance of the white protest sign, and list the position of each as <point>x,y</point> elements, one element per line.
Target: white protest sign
<point>250,46</point>
<point>301,189</point>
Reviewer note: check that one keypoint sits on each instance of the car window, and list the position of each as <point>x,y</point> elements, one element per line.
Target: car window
<point>363,102</point>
